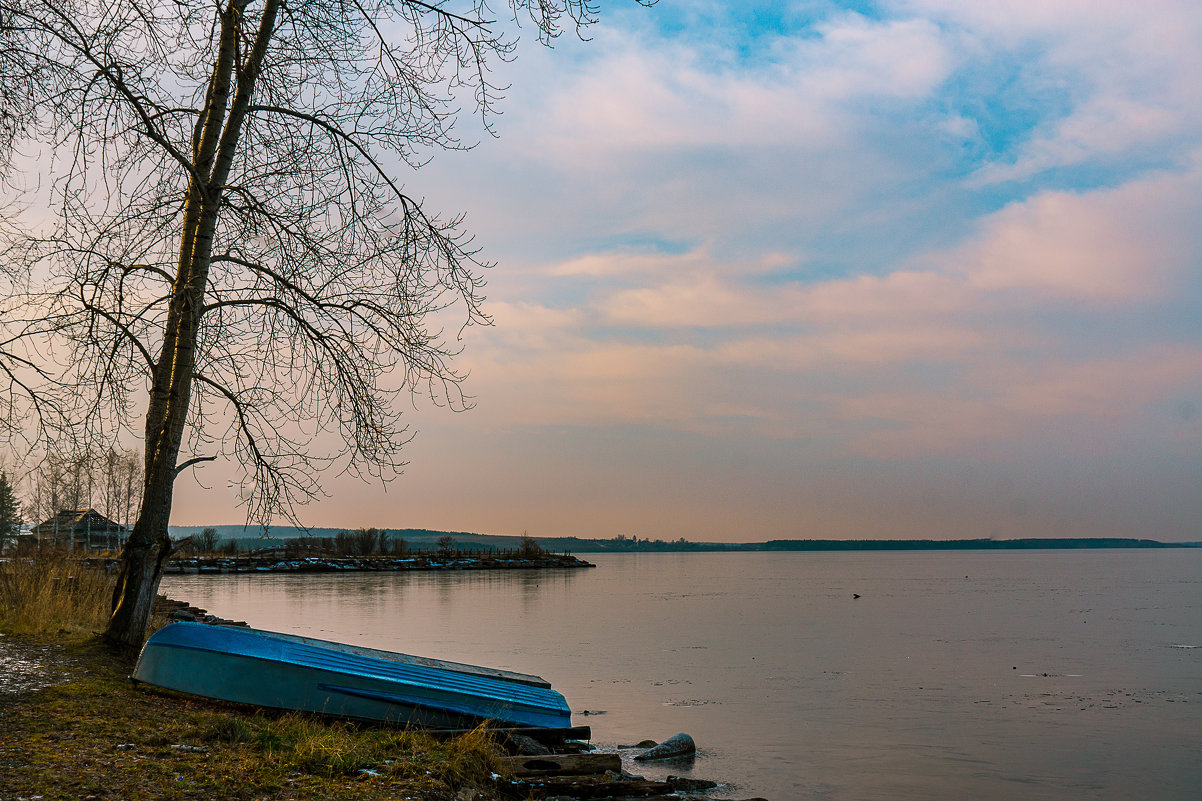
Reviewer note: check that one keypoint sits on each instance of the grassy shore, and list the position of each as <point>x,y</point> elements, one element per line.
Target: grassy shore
<point>91,734</point>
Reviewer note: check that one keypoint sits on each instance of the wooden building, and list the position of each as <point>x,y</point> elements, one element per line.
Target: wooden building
<point>79,530</point>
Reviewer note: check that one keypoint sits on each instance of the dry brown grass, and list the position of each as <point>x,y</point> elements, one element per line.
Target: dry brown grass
<point>51,593</point>
<point>95,734</point>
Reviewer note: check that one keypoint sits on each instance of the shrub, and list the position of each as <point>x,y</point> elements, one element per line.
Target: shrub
<point>529,548</point>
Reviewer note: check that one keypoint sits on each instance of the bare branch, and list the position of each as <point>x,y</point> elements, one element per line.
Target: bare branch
<point>238,152</point>
<point>179,468</point>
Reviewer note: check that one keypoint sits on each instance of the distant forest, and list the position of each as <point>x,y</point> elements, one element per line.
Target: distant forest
<point>633,544</point>
<point>249,538</point>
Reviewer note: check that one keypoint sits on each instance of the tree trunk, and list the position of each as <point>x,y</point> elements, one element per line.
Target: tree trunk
<point>137,588</point>
<point>217,133</point>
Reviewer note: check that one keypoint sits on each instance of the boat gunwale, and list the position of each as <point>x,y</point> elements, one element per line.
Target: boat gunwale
<point>493,690</point>
<point>404,658</point>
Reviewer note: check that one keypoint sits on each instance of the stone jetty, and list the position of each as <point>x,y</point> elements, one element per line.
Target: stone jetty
<point>252,563</point>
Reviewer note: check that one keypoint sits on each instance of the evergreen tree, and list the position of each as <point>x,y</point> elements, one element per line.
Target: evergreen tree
<point>10,512</point>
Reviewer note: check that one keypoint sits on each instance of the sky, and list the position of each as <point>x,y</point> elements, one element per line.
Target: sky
<point>772,270</point>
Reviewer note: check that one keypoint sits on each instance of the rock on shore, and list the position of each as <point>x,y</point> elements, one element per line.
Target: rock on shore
<point>675,747</point>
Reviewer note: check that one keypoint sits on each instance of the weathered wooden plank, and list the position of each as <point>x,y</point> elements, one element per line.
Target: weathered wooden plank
<point>562,764</point>
<point>583,789</point>
<point>673,797</point>
<point>545,735</point>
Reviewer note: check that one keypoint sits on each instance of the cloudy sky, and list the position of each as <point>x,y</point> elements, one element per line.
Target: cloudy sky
<point>810,269</point>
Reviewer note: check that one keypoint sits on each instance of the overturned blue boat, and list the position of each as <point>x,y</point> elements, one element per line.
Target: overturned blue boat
<point>284,671</point>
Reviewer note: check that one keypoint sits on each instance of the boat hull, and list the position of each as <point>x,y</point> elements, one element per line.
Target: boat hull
<point>283,671</point>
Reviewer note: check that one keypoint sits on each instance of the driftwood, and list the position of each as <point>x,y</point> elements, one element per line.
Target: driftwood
<point>675,797</point>
<point>546,736</point>
<point>563,764</point>
<point>584,789</point>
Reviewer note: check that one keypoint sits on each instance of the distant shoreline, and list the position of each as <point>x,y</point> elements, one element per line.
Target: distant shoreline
<point>1027,544</point>
<point>430,540</point>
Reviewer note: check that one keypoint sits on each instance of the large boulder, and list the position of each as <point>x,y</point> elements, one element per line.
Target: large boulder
<point>675,747</point>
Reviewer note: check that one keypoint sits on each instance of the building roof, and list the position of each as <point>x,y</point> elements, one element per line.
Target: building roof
<point>77,521</point>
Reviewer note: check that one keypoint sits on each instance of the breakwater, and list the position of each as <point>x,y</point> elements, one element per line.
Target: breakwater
<point>251,563</point>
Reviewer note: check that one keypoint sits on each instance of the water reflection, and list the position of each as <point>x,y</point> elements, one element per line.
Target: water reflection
<point>402,610</point>
<point>951,676</point>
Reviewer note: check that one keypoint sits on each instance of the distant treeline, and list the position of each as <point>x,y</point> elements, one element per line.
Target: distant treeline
<point>1031,543</point>
<point>360,542</point>
<point>636,545</point>
<point>427,539</point>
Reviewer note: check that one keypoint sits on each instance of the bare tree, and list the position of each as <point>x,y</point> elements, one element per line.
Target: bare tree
<point>368,541</point>
<point>231,232</point>
<point>56,484</point>
<point>398,546</point>
<point>206,540</point>
<point>29,415</point>
<point>109,465</point>
<point>118,482</point>
<point>129,481</point>
<point>81,479</point>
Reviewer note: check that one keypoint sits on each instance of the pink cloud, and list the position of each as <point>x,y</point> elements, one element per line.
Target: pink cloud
<point>942,354</point>
<point>1129,244</point>
<point>652,98</point>
<point>1018,404</point>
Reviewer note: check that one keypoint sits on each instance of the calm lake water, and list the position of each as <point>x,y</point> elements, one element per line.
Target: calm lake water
<point>957,675</point>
